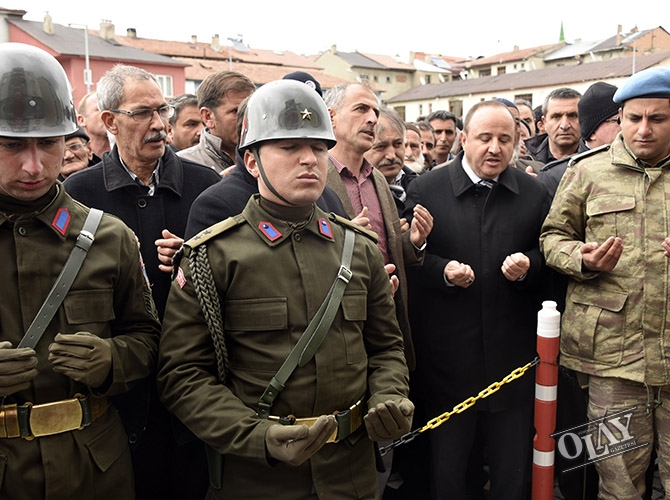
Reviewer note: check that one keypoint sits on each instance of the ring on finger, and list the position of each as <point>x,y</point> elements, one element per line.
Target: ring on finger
<point>468,280</point>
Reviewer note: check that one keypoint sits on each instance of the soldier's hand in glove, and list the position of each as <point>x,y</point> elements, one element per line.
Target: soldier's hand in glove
<point>389,420</point>
<point>82,356</point>
<point>295,444</point>
<point>17,368</point>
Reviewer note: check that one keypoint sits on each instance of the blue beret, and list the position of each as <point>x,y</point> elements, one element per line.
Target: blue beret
<point>652,82</point>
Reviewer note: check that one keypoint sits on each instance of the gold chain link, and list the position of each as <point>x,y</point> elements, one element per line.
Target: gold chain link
<point>494,387</point>
<point>460,408</point>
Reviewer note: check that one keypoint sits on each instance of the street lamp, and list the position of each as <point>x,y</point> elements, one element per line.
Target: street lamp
<point>88,76</point>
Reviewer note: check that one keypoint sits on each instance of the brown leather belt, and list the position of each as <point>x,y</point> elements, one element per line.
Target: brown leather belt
<point>348,421</point>
<point>29,420</point>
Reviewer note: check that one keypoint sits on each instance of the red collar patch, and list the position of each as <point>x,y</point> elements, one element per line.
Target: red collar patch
<point>61,220</point>
<point>325,229</point>
<point>269,231</point>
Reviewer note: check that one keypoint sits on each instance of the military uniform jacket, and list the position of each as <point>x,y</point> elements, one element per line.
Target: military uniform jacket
<point>615,323</point>
<point>272,278</point>
<point>109,298</point>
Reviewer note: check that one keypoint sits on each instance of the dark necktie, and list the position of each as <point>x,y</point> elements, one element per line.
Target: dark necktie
<point>487,183</point>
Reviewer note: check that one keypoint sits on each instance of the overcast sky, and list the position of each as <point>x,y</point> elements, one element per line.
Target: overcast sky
<point>464,28</point>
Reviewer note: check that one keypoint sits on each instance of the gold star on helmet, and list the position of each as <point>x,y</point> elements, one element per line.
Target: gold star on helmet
<point>306,114</point>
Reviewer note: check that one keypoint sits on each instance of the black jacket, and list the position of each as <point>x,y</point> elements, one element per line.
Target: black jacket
<point>465,339</point>
<point>550,175</point>
<point>230,196</point>
<point>108,186</point>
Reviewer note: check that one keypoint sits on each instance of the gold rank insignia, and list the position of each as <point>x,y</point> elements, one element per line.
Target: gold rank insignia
<point>306,114</point>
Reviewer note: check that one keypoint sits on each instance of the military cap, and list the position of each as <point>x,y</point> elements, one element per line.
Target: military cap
<point>652,82</point>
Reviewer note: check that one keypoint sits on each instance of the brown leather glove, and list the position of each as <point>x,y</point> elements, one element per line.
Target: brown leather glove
<point>17,368</point>
<point>82,356</point>
<point>389,420</point>
<point>295,444</point>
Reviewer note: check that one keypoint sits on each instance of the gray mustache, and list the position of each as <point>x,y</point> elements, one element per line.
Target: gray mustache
<point>156,136</point>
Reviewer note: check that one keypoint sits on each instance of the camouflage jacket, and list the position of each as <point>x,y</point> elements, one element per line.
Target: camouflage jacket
<point>615,323</point>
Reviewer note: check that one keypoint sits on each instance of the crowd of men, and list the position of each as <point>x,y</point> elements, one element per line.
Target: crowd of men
<point>249,292</point>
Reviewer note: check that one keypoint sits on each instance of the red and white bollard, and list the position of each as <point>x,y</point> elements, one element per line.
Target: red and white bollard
<point>546,383</point>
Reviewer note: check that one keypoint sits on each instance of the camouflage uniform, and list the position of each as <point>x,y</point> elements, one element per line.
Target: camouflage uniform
<point>615,327</point>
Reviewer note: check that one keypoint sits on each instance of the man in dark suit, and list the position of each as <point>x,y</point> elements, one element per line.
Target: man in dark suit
<point>473,307</point>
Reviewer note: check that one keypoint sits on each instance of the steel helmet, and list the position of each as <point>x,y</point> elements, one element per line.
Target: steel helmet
<point>285,109</point>
<point>35,95</point>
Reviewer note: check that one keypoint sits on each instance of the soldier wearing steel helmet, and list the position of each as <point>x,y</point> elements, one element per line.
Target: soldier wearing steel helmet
<point>60,436</point>
<point>289,423</point>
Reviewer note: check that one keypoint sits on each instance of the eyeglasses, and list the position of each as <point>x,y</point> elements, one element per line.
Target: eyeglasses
<point>146,114</point>
<point>73,148</point>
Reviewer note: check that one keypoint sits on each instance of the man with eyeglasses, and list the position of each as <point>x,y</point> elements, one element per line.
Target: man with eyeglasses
<point>151,189</point>
<point>78,154</point>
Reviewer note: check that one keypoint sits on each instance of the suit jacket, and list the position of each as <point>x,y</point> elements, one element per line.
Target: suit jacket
<point>400,248</point>
<point>465,339</point>
<point>108,186</point>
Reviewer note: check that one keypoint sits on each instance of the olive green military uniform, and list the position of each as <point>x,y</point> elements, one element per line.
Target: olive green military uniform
<point>272,272</point>
<point>615,327</point>
<point>109,298</point>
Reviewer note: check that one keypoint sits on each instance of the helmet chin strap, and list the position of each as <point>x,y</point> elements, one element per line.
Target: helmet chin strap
<point>266,181</point>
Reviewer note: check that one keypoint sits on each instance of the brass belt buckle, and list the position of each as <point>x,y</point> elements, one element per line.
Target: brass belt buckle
<point>53,418</point>
<point>10,422</point>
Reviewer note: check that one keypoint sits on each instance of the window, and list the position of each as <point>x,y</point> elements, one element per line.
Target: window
<point>502,70</point>
<point>388,79</point>
<point>401,111</point>
<point>420,109</point>
<point>485,72</point>
<point>524,97</point>
<point>427,78</point>
<point>165,83</point>
<point>375,79</point>
<point>456,107</point>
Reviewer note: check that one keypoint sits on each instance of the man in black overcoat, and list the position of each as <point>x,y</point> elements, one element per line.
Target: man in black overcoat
<point>473,306</point>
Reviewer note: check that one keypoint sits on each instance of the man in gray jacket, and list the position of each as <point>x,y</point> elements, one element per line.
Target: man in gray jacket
<point>219,96</point>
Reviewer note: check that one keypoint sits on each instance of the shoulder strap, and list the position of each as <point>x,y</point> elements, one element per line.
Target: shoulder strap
<point>64,281</point>
<point>311,339</point>
<point>212,231</point>
<point>352,225</point>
